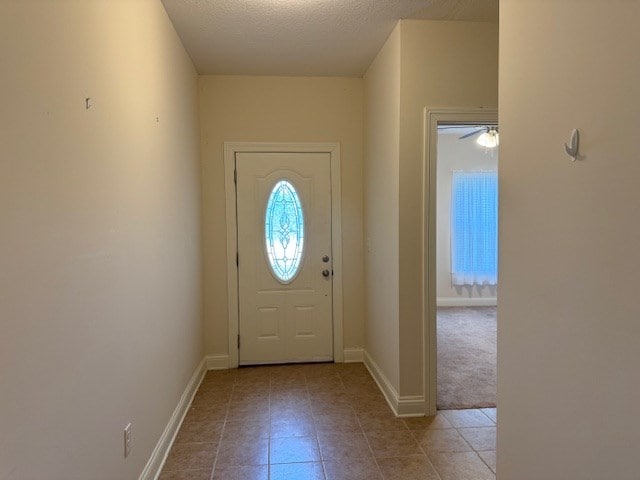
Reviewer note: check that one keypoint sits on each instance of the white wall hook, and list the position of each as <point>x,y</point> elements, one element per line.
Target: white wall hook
<point>572,150</point>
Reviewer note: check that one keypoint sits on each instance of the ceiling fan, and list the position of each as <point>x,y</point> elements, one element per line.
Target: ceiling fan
<point>489,139</point>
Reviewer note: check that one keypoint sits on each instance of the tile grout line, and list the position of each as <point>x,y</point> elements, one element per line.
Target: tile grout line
<point>315,428</point>
<point>269,440</point>
<point>368,444</point>
<point>457,429</point>
<point>426,455</point>
<point>224,427</point>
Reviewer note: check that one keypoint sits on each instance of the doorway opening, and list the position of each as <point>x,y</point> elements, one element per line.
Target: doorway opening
<point>473,122</point>
<point>466,265</point>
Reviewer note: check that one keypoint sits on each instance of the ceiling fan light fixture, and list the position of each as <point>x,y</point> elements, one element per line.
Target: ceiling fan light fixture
<point>489,139</point>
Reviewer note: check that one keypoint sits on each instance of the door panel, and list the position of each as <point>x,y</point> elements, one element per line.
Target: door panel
<point>284,320</point>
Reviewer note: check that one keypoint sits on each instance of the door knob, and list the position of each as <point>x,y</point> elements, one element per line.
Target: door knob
<point>325,258</point>
<point>325,273</point>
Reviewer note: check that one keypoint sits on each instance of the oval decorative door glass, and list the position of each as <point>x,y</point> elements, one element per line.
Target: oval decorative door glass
<point>284,231</point>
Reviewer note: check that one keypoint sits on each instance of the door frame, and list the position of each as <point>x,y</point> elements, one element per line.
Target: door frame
<point>432,118</point>
<point>233,302</point>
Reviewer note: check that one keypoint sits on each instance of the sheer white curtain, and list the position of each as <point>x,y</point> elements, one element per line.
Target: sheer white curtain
<point>474,228</point>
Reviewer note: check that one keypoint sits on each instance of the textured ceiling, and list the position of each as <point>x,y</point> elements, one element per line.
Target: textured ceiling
<point>302,37</point>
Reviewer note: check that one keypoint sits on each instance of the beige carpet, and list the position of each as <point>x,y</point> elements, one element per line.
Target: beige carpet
<point>466,357</point>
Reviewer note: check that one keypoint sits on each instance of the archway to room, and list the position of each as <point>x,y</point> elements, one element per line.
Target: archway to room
<point>461,263</point>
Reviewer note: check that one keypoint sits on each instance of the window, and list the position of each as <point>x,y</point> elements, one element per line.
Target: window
<point>284,231</point>
<point>474,228</point>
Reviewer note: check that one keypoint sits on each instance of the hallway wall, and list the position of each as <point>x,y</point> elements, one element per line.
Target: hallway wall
<point>444,64</point>
<point>423,64</point>
<point>279,109</point>
<point>100,290</point>
<point>568,329</point>
<point>382,150</point>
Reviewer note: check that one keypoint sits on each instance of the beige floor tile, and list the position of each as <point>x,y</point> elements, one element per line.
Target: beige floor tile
<point>251,385</point>
<point>438,421</point>
<point>374,408</point>
<point>492,413</point>
<point>322,422</point>
<point>292,416</point>
<point>289,398</point>
<point>443,440</point>
<point>325,383</point>
<point>191,456</point>
<point>214,396</point>
<point>467,418</point>
<point>360,368</point>
<point>343,445</point>
<point>287,376</point>
<point>352,469</point>
<point>367,403</point>
<point>205,431</point>
<point>394,443</point>
<point>260,472</point>
<point>346,421</point>
<point>186,475</point>
<point>330,397</point>
<point>248,413</point>
<point>302,427</point>
<point>321,370</point>
<point>291,387</point>
<point>236,453</point>
<point>460,466</point>
<point>203,413</point>
<point>294,449</point>
<point>489,457</point>
<point>407,468</point>
<point>250,401</point>
<point>218,380</point>
<point>256,387</point>
<point>245,430</point>
<point>371,421</point>
<point>480,438</point>
<point>363,389</point>
<point>297,471</point>
<point>325,401</point>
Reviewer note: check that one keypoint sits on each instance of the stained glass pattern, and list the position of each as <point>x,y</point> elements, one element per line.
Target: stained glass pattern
<point>284,231</point>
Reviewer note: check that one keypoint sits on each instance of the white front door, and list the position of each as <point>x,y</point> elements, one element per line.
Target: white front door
<point>284,257</point>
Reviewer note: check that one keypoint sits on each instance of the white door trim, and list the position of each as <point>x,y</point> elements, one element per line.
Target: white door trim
<point>230,151</point>
<point>434,116</point>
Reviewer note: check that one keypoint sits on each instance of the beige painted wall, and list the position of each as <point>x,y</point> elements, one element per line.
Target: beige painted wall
<point>568,329</point>
<point>279,109</point>
<point>444,64</point>
<point>382,136</point>
<point>100,291</point>
<point>467,155</point>
<point>440,64</point>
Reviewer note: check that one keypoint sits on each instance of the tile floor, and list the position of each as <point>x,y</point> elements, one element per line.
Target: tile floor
<point>322,422</point>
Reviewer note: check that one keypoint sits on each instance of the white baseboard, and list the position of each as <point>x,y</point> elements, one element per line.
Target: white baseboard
<point>383,383</point>
<point>466,302</point>
<point>402,406</point>
<point>411,406</point>
<point>217,362</point>
<point>353,355</point>
<point>159,455</point>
